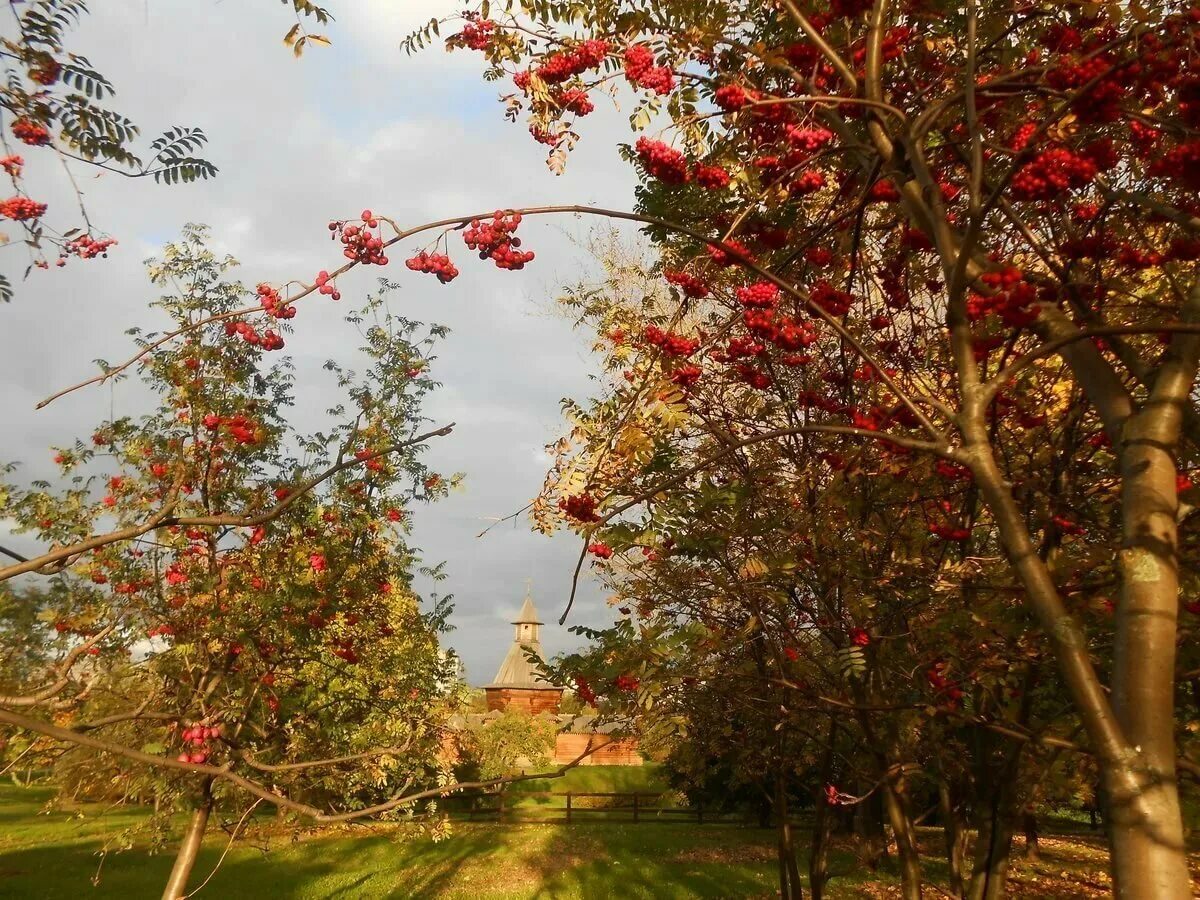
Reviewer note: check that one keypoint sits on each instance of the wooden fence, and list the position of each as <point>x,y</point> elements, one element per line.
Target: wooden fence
<point>569,807</point>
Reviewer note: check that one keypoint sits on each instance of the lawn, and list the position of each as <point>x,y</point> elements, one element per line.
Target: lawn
<point>56,856</point>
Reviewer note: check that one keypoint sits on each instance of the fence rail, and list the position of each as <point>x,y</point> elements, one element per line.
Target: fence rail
<point>565,807</point>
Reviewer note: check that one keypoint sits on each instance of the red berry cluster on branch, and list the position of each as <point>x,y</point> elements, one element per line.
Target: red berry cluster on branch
<point>12,165</point>
<point>326,286</point>
<point>809,140</point>
<point>714,178</point>
<point>669,342</point>
<point>731,97</point>
<point>87,247</point>
<point>435,264</point>
<point>21,209</point>
<point>45,70</point>
<point>580,507</point>
<point>476,35</point>
<point>268,340</point>
<point>686,376</point>
<point>1052,173</point>
<point>575,100</point>
<point>722,258</point>
<point>273,303</point>
<point>601,550</point>
<point>1181,163</point>
<point>566,64</point>
<point>30,132</point>
<point>830,299</point>
<point>661,161</point>
<point>761,295</point>
<point>199,737</point>
<point>495,240</point>
<point>360,244</point>
<point>689,284</point>
<point>641,70</point>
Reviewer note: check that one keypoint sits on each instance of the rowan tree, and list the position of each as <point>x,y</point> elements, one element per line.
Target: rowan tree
<point>264,634</point>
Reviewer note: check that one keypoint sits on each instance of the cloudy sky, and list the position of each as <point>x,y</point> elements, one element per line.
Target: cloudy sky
<point>300,142</point>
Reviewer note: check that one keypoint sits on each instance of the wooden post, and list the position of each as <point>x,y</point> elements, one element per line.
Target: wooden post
<point>635,808</point>
<point>568,807</point>
<point>500,807</point>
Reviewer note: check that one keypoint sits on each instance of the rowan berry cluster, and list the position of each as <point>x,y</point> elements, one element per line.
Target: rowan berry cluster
<point>199,737</point>
<point>476,35</point>
<point>600,549</point>
<point>761,295</point>
<point>435,264</point>
<point>627,684</point>
<point>689,284</point>
<point>558,67</point>
<point>12,165</point>
<point>580,507</point>
<point>686,376</point>
<point>714,178</point>
<point>268,340</point>
<point>87,247</point>
<point>722,258</point>
<point>809,140</point>
<point>1013,299</point>
<point>669,342</point>
<point>360,244</point>
<point>661,161</point>
<point>45,71</point>
<point>324,286</point>
<point>1181,163</point>
<point>584,691</point>
<point>495,240</point>
<point>163,630</point>
<point>830,299</point>
<point>949,532</point>
<point>273,303</point>
<point>756,378</point>
<point>1052,173</point>
<point>30,132</point>
<point>731,97</point>
<point>807,182</point>
<point>575,100</point>
<point>21,209</point>
<point>641,71</point>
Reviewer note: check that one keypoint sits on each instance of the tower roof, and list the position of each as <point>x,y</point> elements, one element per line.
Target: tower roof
<point>517,671</point>
<point>528,614</point>
<point>520,666</point>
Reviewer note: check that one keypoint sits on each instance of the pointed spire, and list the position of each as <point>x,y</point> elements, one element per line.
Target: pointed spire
<point>528,614</point>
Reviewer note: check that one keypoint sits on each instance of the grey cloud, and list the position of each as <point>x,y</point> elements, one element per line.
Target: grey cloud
<point>298,143</point>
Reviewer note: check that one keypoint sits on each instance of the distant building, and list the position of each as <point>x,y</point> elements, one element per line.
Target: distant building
<point>519,685</point>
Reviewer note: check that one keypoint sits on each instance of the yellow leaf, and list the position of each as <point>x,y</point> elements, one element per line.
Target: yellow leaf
<point>753,567</point>
<point>320,39</point>
<point>291,35</point>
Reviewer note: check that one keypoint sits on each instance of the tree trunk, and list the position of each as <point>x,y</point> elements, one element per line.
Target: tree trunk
<point>1148,854</point>
<point>993,852</point>
<point>789,871</point>
<point>1145,826</point>
<point>185,860</point>
<point>955,834</point>
<point>1030,826</point>
<point>906,843</point>
<point>818,857</point>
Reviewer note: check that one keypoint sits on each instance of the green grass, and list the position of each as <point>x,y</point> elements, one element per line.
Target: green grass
<point>55,856</point>
<point>648,778</point>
